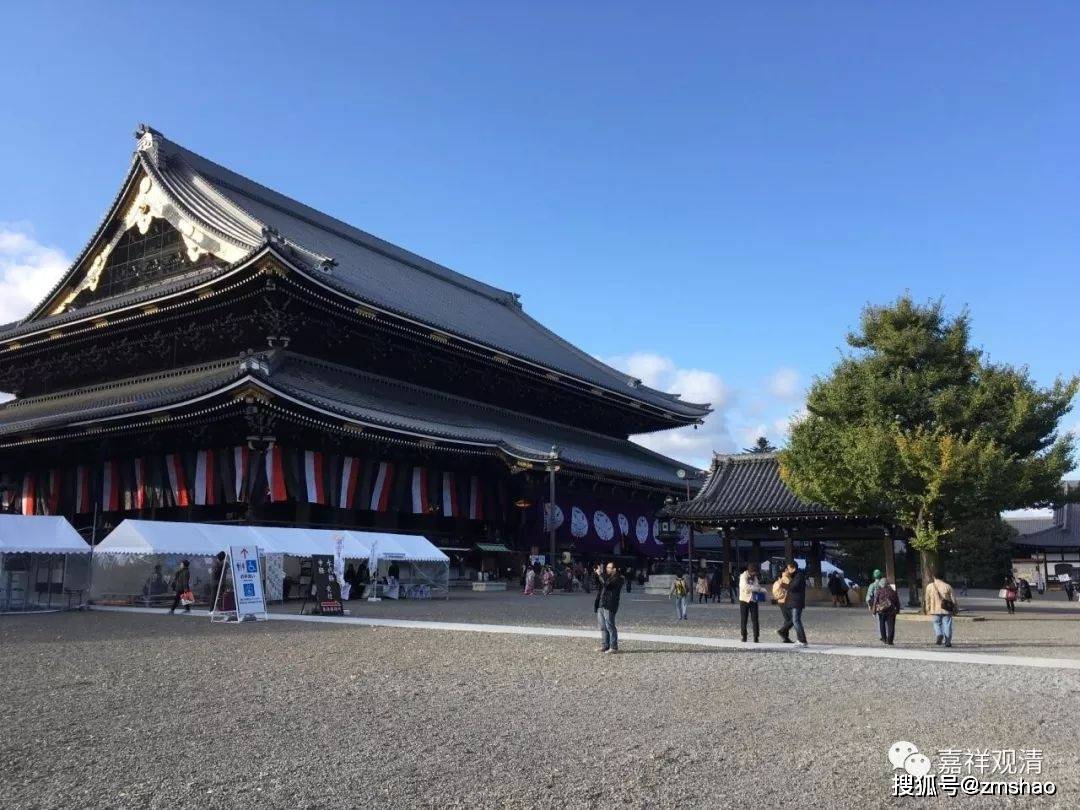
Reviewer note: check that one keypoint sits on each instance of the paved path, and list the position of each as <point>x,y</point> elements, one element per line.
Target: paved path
<point>934,654</point>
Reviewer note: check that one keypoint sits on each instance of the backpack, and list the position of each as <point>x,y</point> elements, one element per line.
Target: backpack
<point>885,599</point>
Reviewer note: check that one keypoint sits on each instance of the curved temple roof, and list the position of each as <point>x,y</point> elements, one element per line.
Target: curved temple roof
<point>345,394</point>
<point>243,213</point>
<point>746,487</point>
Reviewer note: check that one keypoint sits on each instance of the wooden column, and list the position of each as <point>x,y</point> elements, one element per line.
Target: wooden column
<point>789,546</point>
<point>726,570</point>
<point>755,555</point>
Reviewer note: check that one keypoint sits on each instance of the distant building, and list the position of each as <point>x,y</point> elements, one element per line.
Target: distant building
<point>1052,541</point>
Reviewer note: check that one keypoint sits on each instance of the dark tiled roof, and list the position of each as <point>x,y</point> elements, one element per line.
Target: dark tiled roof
<point>747,487</point>
<point>112,303</point>
<point>382,274</point>
<point>1025,525</point>
<point>400,406</point>
<point>51,411</point>
<point>373,400</point>
<point>1064,531</point>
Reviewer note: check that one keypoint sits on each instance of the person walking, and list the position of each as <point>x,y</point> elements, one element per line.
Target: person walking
<point>608,589</point>
<point>681,597</point>
<point>716,584</point>
<point>793,582</point>
<point>751,592</point>
<point>1008,592</point>
<point>1040,582</point>
<point>702,587</point>
<point>548,580</point>
<point>941,604</point>
<point>530,581</point>
<point>834,588</point>
<point>1067,586</point>
<point>1023,589</point>
<point>181,586</point>
<point>883,601</point>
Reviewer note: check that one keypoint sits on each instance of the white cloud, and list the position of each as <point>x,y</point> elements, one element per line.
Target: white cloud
<point>652,369</point>
<point>784,383</point>
<point>695,385</point>
<point>751,434</point>
<point>738,419</point>
<point>28,270</point>
<point>693,446</point>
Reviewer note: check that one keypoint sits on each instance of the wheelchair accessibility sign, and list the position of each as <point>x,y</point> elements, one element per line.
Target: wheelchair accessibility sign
<point>247,581</point>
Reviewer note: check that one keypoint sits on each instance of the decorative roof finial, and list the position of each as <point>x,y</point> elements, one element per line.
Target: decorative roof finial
<point>271,235</point>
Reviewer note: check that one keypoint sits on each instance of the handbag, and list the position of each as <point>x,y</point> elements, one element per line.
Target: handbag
<point>1003,594</point>
<point>948,605</point>
<point>759,596</point>
<point>187,598</point>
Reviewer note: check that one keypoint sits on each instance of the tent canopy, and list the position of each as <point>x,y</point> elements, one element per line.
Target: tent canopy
<point>207,539</point>
<point>39,534</point>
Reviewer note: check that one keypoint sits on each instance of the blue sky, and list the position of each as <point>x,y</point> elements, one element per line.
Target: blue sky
<point>706,194</point>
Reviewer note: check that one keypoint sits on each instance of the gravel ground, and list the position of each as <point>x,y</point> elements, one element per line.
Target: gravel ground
<point>123,710</point>
<point>1048,629</point>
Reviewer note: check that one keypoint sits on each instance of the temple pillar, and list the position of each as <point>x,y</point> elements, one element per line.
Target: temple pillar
<point>789,545</point>
<point>727,567</point>
<point>755,554</point>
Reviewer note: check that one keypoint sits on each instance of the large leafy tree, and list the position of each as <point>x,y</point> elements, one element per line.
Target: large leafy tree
<point>919,428</point>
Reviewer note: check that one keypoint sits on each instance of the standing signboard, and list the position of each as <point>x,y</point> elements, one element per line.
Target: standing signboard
<point>247,582</point>
<point>325,588</point>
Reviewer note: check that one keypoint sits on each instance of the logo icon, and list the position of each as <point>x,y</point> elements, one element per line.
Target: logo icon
<point>252,567</point>
<point>906,756</point>
<point>249,590</point>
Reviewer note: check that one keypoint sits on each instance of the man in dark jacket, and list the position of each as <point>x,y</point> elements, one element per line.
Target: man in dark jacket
<point>181,583</point>
<point>609,586</point>
<point>793,605</point>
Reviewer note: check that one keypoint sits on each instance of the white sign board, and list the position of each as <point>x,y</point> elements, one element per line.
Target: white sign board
<point>247,581</point>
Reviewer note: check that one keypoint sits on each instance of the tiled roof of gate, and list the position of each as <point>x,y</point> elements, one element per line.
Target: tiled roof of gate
<point>747,487</point>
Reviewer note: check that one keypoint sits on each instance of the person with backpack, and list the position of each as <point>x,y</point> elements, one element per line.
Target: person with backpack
<point>790,594</point>
<point>884,603</point>
<point>681,596</point>
<point>794,603</point>
<point>941,604</point>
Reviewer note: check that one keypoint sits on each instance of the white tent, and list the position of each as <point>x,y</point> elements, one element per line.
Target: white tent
<point>136,560</point>
<point>44,563</point>
<point>423,569</point>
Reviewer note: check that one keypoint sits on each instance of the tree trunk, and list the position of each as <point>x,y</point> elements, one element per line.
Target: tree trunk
<point>929,561</point>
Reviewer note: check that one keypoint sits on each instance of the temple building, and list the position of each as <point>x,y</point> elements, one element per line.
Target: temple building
<point>220,352</point>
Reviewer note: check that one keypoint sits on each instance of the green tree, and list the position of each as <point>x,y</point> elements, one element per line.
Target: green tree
<point>760,446</point>
<point>917,427</point>
<point>981,551</point>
